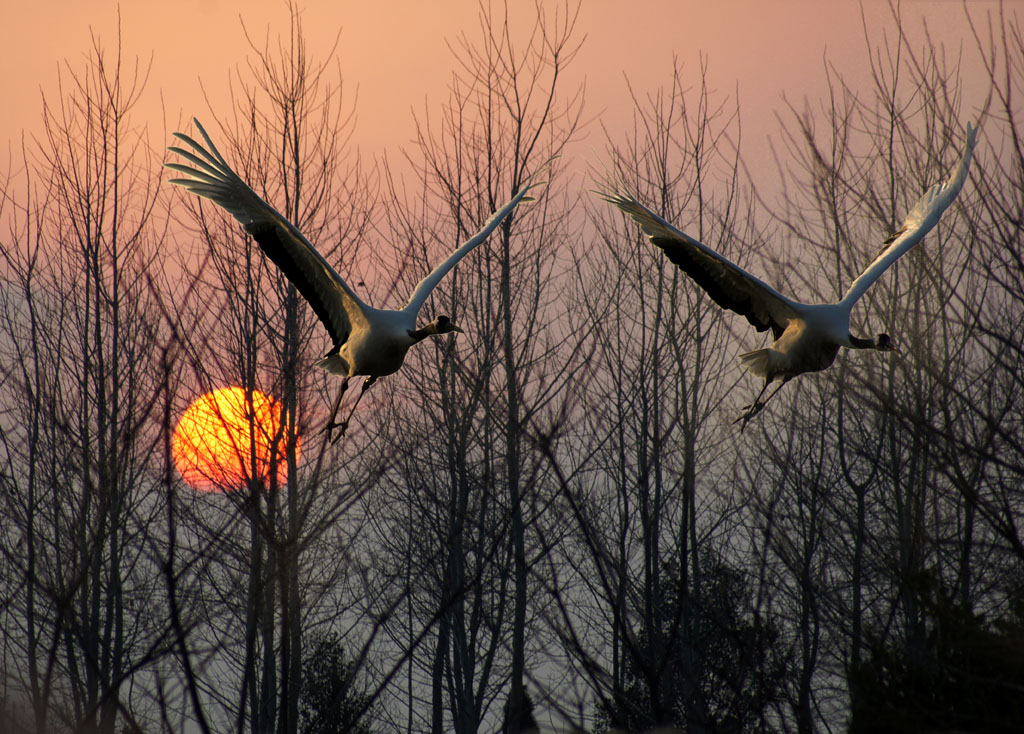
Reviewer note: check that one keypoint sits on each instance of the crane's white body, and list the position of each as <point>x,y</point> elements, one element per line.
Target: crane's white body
<point>367,341</point>
<point>378,350</point>
<point>807,336</point>
<point>809,342</point>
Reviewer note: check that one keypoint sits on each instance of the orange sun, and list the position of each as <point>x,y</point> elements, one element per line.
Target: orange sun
<point>218,448</point>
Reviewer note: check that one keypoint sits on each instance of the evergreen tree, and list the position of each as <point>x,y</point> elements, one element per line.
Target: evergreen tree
<point>331,702</point>
<point>711,631</point>
<point>964,675</point>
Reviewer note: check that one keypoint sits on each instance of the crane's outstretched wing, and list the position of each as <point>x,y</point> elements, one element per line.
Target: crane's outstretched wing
<point>918,223</point>
<point>729,285</point>
<point>425,286</point>
<point>332,300</point>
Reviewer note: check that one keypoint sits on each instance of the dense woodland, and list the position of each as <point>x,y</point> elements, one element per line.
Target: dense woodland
<point>550,518</point>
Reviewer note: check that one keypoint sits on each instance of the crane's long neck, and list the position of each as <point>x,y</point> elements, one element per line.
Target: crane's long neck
<point>431,329</point>
<point>419,335</point>
<point>879,342</point>
<point>441,325</point>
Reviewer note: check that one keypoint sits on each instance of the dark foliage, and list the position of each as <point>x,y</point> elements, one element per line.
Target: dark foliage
<point>330,702</point>
<point>716,662</point>
<point>527,722</point>
<point>964,674</point>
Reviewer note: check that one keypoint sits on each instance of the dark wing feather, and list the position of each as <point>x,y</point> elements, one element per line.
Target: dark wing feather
<point>309,276</point>
<point>331,299</point>
<point>728,285</point>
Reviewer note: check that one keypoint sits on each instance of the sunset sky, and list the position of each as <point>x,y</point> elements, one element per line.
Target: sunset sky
<point>529,491</point>
<point>397,57</point>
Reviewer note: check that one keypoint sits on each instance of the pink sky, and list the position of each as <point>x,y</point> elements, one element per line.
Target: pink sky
<point>396,53</point>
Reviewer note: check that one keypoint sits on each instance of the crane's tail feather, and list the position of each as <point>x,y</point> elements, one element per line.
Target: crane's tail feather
<point>757,361</point>
<point>333,363</point>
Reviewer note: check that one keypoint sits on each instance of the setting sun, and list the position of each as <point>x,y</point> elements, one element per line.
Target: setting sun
<point>217,448</point>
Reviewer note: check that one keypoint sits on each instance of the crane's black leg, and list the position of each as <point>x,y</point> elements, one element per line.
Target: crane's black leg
<point>749,411</point>
<point>344,424</point>
<point>776,390</point>
<point>334,409</point>
<point>757,400</point>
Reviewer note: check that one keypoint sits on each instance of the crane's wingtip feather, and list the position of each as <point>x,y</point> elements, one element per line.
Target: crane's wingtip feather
<point>187,139</point>
<point>614,197</point>
<point>972,134</point>
<point>179,167</point>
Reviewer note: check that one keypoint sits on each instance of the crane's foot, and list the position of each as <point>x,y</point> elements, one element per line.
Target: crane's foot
<point>749,411</point>
<point>329,428</point>
<point>344,427</point>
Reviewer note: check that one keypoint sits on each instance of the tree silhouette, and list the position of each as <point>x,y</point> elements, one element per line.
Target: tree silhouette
<point>331,701</point>
<point>968,676</point>
<point>726,656</point>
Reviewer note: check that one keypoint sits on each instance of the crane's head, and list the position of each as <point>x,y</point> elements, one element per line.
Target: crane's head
<point>884,344</point>
<point>440,325</point>
<point>443,325</point>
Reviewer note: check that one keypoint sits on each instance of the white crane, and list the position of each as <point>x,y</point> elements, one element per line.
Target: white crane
<point>807,336</point>
<point>367,341</point>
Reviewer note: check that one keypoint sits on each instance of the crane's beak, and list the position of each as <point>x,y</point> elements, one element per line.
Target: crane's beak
<point>457,329</point>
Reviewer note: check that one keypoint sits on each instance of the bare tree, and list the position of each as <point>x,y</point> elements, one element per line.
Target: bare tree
<point>878,514</point>
<point>649,491</point>
<point>79,381</point>
<point>465,467</point>
<point>288,137</point>
<point>560,513</point>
